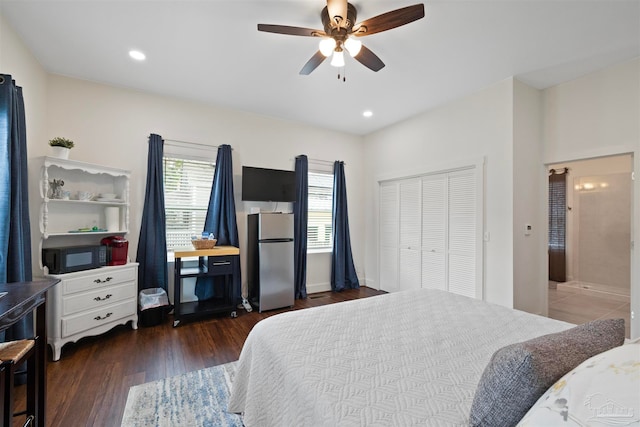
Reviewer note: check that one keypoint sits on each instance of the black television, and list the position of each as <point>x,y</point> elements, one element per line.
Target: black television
<point>268,185</point>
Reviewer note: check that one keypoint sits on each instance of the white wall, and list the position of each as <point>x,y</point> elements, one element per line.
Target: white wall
<point>17,60</point>
<point>518,130</point>
<point>529,280</point>
<point>597,115</point>
<point>475,127</point>
<point>111,126</point>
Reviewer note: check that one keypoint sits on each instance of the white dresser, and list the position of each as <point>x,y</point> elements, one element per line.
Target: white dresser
<point>90,303</point>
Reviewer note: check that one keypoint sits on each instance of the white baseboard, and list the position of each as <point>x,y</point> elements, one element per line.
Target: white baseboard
<point>318,287</point>
<point>325,287</point>
<point>369,283</point>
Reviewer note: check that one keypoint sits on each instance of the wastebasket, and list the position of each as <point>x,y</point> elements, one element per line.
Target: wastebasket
<point>154,306</point>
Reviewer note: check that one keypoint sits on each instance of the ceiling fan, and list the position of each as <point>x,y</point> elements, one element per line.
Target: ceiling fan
<point>341,30</point>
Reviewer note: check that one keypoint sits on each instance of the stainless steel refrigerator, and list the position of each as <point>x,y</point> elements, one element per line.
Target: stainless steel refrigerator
<point>270,260</point>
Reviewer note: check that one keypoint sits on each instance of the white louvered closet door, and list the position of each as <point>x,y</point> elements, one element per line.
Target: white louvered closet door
<point>410,234</point>
<point>462,233</point>
<point>429,233</point>
<point>434,232</point>
<point>389,232</point>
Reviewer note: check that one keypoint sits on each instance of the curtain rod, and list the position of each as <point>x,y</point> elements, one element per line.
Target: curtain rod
<point>558,172</point>
<point>320,161</point>
<point>190,143</point>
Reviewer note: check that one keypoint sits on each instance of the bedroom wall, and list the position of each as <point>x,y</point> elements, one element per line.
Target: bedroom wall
<point>529,281</point>
<point>478,126</point>
<point>593,116</point>
<point>111,126</point>
<point>17,60</point>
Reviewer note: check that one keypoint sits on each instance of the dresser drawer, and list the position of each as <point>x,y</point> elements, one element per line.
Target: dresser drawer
<point>91,319</point>
<point>106,277</point>
<point>220,265</point>
<point>99,298</point>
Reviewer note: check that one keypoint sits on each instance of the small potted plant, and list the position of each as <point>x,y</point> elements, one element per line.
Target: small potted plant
<point>60,147</point>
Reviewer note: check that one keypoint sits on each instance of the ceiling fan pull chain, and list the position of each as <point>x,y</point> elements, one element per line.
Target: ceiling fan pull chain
<point>344,74</point>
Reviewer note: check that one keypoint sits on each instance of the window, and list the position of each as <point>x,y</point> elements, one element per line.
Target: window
<point>187,188</point>
<point>319,228</point>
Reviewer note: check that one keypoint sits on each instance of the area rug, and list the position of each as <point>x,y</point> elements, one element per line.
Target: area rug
<point>197,399</point>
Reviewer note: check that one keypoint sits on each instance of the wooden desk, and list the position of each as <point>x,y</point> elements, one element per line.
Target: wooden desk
<point>219,261</point>
<point>21,299</point>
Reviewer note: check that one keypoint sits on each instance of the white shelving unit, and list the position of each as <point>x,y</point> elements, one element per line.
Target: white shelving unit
<point>61,217</point>
<point>90,302</point>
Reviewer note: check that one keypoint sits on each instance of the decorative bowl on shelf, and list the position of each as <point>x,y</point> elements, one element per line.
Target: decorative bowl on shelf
<point>84,195</point>
<point>204,243</point>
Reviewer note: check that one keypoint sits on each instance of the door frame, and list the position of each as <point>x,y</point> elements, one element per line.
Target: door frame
<point>635,207</point>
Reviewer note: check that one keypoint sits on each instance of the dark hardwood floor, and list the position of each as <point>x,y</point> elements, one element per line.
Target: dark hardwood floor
<point>88,386</point>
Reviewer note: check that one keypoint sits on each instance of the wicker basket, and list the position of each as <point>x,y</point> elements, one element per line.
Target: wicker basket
<point>203,243</point>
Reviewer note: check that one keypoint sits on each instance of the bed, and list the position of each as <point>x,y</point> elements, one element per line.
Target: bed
<point>407,358</point>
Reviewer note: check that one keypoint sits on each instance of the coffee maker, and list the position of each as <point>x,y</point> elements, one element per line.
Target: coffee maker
<point>117,249</point>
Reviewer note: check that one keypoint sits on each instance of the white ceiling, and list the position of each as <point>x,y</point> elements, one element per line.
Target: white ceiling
<point>210,51</point>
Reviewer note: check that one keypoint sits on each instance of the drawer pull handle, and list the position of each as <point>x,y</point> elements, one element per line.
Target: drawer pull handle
<point>102,318</point>
<point>108,279</point>
<point>222,263</point>
<point>103,299</point>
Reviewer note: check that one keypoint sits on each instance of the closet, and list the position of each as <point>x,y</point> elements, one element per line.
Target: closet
<point>431,232</point>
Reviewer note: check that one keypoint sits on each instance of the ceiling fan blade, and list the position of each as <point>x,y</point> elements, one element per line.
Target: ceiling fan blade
<point>337,8</point>
<point>312,63</point>
<point>389,20</point>
<point>291,31</point>
<point>369,59</point>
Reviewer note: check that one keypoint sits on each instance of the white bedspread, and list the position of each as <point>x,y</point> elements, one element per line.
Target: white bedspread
<point>407,358</point>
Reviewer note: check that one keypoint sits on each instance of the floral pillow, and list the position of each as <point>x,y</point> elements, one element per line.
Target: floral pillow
<point>602,391</point>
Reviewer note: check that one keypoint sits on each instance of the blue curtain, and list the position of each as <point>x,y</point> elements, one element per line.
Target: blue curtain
<point>221,221</point>
<point>343,271</point>
<point>152,244</point>
<point>15,228</point>
<point>300,220</point>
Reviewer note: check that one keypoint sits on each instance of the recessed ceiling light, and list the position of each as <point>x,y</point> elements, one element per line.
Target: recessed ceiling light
<point>137,55</point>
<point>367,113</point>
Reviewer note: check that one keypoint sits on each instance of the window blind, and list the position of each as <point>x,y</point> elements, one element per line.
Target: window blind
<point>320,224</point>
<point>557,210</point>
<point>557,225</point>
<point>187,188</point>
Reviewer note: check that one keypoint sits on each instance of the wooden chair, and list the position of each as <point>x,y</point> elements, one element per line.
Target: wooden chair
<point>12,355</point>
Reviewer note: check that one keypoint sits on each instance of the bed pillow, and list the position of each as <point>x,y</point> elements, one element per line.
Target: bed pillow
<point>602,390</point>
<point>518,374</point>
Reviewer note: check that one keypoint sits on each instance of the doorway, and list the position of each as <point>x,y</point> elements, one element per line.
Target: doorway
<point>599,199</point>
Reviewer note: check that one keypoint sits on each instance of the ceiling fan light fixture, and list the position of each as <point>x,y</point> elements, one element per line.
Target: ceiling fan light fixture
<point>353,46</point>
<point>327,45</point>
<point>337,60</point>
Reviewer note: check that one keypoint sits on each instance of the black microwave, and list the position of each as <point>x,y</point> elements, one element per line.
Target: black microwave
<point>74,258</point>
